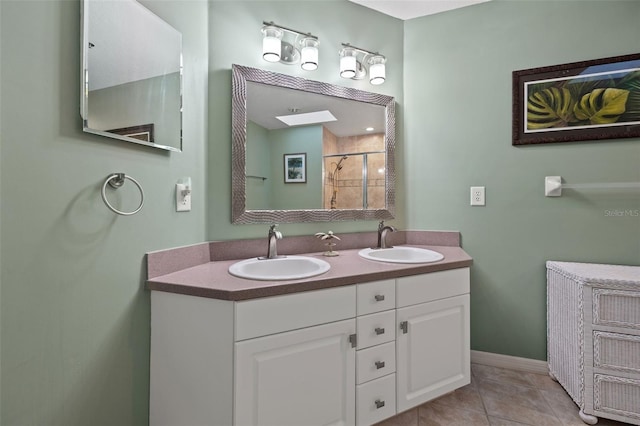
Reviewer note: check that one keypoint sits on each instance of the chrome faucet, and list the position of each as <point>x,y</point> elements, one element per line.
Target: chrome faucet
<point>382,234</point>
<point>274,236</point>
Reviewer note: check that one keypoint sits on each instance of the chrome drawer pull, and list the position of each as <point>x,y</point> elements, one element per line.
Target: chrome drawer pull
<point>379,364</point>
<point>379,330</point>
<point>379,297</point>
<point>379,404</point>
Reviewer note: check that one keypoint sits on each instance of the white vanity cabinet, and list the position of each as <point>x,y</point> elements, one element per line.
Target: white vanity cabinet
<point>301,377</point>
<point>282,360</point>
<point>376,358</point>
<point>337,356</point>
<point>433,342</point>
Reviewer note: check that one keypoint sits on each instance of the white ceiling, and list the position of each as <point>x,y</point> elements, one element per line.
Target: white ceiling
<point>409,9</point>
<point>265,102</point>
<point>130,43</point>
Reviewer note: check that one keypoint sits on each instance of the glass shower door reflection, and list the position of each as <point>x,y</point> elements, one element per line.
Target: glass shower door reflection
<point>344,176</point>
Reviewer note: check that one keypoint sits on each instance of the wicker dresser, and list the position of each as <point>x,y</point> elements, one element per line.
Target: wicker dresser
<point>593,337</point>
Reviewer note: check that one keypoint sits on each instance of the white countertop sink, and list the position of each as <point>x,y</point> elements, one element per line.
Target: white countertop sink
<point>279,269</point>
<point>401,255</point>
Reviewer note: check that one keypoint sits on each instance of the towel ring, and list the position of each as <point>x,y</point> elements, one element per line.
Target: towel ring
<point>116,180</point>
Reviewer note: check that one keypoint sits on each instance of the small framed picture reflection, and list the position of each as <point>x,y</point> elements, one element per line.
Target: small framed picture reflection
<point>295,168</point>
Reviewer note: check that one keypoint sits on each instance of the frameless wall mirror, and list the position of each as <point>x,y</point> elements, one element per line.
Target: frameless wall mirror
<point>307,151</point>
<point>131,76</point>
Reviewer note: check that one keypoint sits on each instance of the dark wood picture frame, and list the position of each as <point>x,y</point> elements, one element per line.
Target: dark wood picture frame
<point>579,101</point>
<point>143,132</point>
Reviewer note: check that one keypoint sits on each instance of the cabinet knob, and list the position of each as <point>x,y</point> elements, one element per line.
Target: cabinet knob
<point>379,404</point>
<point>379,364</point>
<point>379,297</point>
<point>379,330</point>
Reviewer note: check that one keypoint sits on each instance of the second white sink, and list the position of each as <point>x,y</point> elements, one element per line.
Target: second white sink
<point>401,255</point>
<point>279,269</point>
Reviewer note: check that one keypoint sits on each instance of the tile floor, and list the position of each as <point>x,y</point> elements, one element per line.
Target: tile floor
<point>498,397</point>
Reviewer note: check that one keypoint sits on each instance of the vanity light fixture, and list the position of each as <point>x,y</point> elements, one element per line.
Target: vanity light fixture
<point>271,43</point>
<point>302,47</point>
<point>348,62</point>
<point>377,69</point>
<point>351,66</point>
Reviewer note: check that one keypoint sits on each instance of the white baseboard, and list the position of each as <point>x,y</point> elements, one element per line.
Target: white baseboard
<point>511,362</point>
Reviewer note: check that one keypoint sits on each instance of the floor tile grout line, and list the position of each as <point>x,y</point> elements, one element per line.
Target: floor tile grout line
<point>537,389</point>
<point>474,378</point>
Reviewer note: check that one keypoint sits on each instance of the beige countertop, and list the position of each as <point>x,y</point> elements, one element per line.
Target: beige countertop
<point>212,279</point>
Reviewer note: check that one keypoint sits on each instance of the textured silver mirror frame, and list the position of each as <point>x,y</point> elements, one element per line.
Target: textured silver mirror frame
<point>240,76</point>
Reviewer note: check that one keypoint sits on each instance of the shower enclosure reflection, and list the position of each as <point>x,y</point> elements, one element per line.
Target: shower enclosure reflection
<point>354,171</point>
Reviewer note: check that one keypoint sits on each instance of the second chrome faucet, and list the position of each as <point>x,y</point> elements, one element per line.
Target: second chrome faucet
<point>274,236</point>
<point>382,235</point>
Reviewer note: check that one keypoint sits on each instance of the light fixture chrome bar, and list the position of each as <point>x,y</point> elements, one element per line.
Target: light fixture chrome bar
<point>359,49</point>
<point>291,30</point>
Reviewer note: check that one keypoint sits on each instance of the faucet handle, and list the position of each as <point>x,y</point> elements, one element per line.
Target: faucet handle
<point>272,231</point>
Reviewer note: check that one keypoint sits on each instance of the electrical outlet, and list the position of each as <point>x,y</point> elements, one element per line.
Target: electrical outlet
<point>477,196</point>
<point>183,197</point>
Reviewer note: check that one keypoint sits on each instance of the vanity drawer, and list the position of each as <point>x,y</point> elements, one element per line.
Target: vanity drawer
<point>432,286</point>
<point>375,329</point>
<point>376,296</point>
<point>270,315</point>
<point>375,362</point>
<point>616,308</point>
<point>376,400</point>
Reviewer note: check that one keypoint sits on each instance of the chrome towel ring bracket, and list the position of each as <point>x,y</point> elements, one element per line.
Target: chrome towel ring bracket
<point>116,180</point>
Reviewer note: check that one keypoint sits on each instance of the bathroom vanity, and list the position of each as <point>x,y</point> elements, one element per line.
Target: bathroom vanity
<point>356,345</point>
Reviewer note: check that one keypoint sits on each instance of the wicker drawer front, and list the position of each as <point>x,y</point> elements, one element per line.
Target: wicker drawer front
<point>618,308</point>
<point>616,351</point>
<point>617,395</point>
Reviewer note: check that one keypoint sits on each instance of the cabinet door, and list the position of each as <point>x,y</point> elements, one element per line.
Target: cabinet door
<point>433,354</point>
<point>303,377</point>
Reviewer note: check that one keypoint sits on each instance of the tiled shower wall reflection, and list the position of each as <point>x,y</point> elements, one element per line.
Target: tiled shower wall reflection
<point>344,172</point>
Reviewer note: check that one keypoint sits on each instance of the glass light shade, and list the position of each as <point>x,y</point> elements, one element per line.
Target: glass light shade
<point>271,44</point>
<point>377,70</point>
<point>348,63</point>
<point>309,54</point>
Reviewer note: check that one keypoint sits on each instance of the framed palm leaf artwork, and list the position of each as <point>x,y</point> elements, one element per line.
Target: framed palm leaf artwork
<point>580,101</point>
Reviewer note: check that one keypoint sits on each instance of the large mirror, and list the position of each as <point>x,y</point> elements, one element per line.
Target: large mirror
<point>307,151</point>
<point>131,76</point>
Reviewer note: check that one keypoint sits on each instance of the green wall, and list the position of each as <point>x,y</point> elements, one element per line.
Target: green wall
<point>235,38</point>
<point>457,83</point>
<point>258,149</point>
<point>74,317</point>
<point>291,196</point>
<point>74,314</point>
<point>264,157</point>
